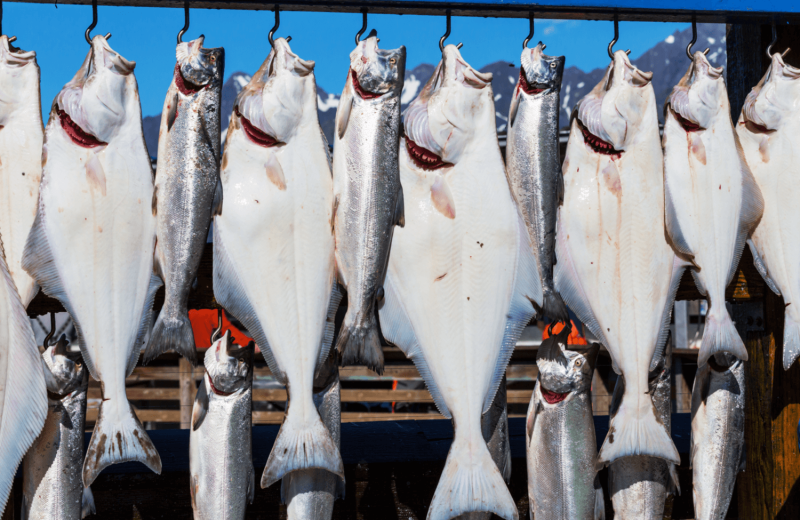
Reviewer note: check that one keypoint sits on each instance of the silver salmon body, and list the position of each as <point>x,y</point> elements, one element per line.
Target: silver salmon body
<point>639,484</point>
<point>186,188</point>
<point>52,487</point>
<point>561,447</point>
<point>533,163</point>
<point>718,453</point>
<point>222,477</point>
<point>368,196</point>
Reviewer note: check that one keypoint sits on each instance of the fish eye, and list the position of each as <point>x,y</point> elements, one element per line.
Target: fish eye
<point>553,65</point>
<point>392,61</point>
<point>578,362</point>
<point>213,58</point>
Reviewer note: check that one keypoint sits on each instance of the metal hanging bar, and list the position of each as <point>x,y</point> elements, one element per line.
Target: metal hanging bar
<point>616,38</point>
<point>11,39</point>
<point>530,33</point>
<point>275,27</point>
<point>88,33</point>
<point>218,331</point>
<point>186,24</point>
<point>46,342</point>
<point>446,34</point>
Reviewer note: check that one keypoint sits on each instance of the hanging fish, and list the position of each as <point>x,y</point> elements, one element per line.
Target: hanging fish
<point>769,131</point>
<point>187,188</point>
<point>21,135</point>
<point>712,200</point>
<point>461,276</point>
<point>91,246</point>
<point>718,450</point>
<point>560,443</point>
<point>615,268</point>
<point>222,478</point>
<point>52,487</point>
<point>368,195</point>
<point>534,164</point>
<point>639,485</point>
<point>274,247</point>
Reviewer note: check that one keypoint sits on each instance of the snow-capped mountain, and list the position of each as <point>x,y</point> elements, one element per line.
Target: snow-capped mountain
<point>667,60</point>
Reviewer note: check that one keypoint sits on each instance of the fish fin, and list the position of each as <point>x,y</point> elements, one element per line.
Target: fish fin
<point>512,110</point>
<point>275,171</point>
<point>674,487</point>
<point>442,197</point>
<point>527,290</point>
<point>673,228</point>
<point>200,408</point>
<point>216,206</point>
<point>634,433</point>
<point>761,267</point>
<point>172,113</point>
<point>87,503</point>
<point>176,335</point>
<point>24,397</point>
<point>300,445</point>
<point>599,500</point>
<point>146,323</point>
<point>400,209</point>
<point>118,437</point>
<point>530,418</point>
<point>750,215</point>
<point>743,457</point>
<point>360,343</point>
<point>698,282</point>
<point>154,201</point>
<point>678,267</point>
<point>398,331</point>
<point>569,286</point>
<point>791,342</point>
<point>230,293</point>
<point>344,108</point>
<point>720,335</point>
<point>330,325</point>
<point>251,486</point>
<point>471,482</point>
<point>554,307</point>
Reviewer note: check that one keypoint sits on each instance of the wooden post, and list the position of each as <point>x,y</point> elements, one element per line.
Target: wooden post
<point>187,391</point>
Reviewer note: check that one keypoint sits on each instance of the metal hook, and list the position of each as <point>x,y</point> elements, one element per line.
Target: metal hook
<point>46,342</point>
<point>363,25</point>
<point>694,40</point>
<point>185,25</point>
<point>774,40</point>
<point>616,37</point>
<point>530,34</point>
<point>275,27</point>
<point>446,34</point>
<point>88,33</point>
<point>218,331</point>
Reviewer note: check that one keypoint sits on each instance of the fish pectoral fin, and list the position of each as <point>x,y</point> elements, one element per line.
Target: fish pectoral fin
<point>345,106</point>
<point>442,197</point>
<point>251,486</point>
<point>400,210</point>
<point>216,207</point>
<point>200,408</point>
<point>512,111</point>
<point>172,111</point>
<point>743,457</point>
<point>275,171</point>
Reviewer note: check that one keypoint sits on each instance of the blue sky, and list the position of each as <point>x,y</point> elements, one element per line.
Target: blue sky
<point>147,36</point>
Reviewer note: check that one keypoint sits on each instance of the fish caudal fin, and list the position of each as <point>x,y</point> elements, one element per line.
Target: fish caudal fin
<point>360,343</point>
<point>172,334</point>
<point>471,482</point>
<point>720,335</point>
<point>791,342</point>
<point>118,437</point>
<point>301,445</point>
<point>636,432</point>
<point>87,503</point>
<point>554,307</point>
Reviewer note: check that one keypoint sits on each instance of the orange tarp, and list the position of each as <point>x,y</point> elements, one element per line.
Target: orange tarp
<point>574,337</point>
<point>204,323</point>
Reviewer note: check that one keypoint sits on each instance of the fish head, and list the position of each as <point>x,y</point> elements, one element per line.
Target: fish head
<point>197,67</point>
<point>63,374</point>
<point>775,99</point>
<point>376,72</point>
<point>14,63</point>
<point>700,95</point>
<point>562,371</point>
<point>455,102</point>
<point>229,368</point>
<point>94,104</point>
<point>540,72</point>
<point>271,106</point>
<point>610,115</point>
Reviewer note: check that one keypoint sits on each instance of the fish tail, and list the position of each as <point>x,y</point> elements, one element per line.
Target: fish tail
<point>720,335</point>
<point>118,437</point>
<point>170,333</point>
<point>359,342</point>
<point>554,307</point>
<point>791,342</point>
<point>470,482</point>
<point>87,503</point>
<point>636,431</point>
<point>302,444</point>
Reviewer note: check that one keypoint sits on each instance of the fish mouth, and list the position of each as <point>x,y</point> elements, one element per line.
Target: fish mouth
<point>424,158</point>
<point>186,87</point>
<point>78,135</point>
<point>552,397</point>
<point>254,134</point>
<point>598,145</point>
<point>756,128</point>
<point>365,94</point>
<point>526,87</point>
<point>687,125</point>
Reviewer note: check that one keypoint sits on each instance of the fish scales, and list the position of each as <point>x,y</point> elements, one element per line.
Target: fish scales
<point>91,246</point>
<point>461,276</point>
<point>615,268</point>
<point>369,197</point>
<point>274,247</point>
<point>718,446</point>
<point>769,132</point>
<point>21,137</point>
<point>534,162</point>
<point>187,188</point>
<point>712,200</point>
